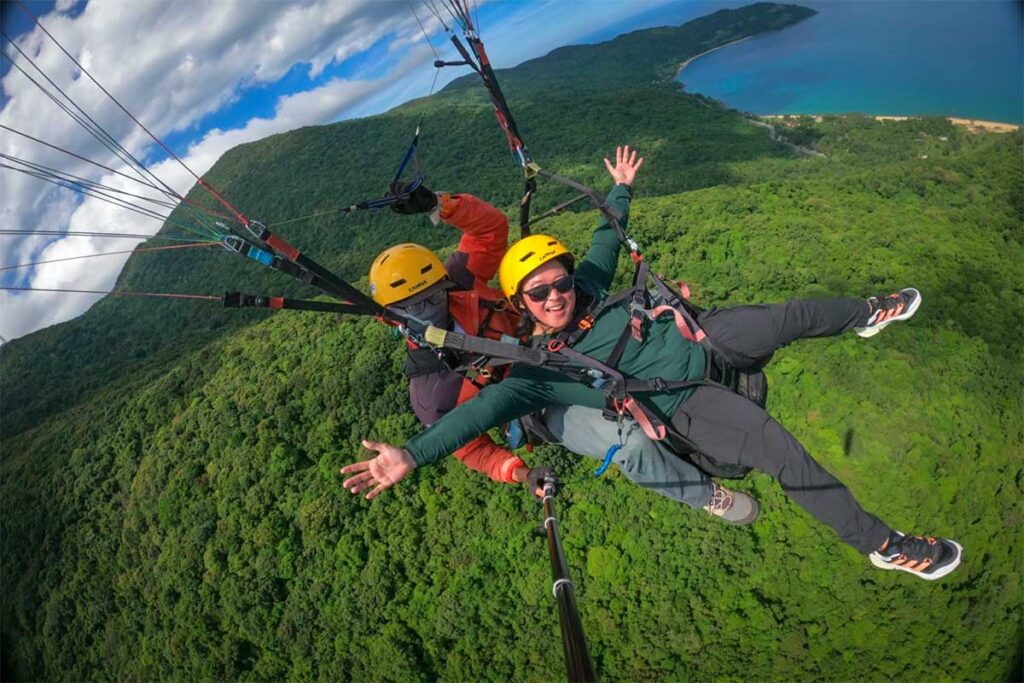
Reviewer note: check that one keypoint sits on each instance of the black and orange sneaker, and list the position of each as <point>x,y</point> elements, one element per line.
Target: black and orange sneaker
<point>888,309</point>
<point>925,557</point>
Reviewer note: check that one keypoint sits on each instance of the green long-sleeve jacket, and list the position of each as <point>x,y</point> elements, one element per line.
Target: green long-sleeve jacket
<point>663,353</point>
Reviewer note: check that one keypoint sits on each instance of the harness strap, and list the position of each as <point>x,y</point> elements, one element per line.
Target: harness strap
<point>456,341</point>
<point>327,281</point>
<point>652,425</point>
<point>681,323</point>
<point>685,312</point>
<point>638,300</point>
<point>241,300</point>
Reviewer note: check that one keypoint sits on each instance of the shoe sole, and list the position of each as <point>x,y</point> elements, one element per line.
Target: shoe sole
<point>872,330</point>
<point>882,564</point>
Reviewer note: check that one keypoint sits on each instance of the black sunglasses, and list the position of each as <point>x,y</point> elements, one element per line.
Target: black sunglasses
<point>541,292</point>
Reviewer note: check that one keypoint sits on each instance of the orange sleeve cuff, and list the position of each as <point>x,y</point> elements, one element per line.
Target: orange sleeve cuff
<point>447,205</point>
<point>509,467</point>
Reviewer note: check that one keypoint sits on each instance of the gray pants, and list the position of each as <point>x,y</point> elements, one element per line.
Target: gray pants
<point>648,463</point>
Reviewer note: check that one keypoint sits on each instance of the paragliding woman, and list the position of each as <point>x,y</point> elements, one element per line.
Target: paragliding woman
<point>546,284</point>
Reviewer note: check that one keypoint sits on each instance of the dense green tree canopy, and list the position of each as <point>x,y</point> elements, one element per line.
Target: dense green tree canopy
<point>171,502</point>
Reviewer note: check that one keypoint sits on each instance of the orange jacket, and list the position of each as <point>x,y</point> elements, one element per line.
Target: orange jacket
<point>478,309</point>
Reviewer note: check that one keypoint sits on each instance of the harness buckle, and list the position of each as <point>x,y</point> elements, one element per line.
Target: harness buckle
<point>555,345</point>
<point>233,243</point>
<point>586,322</point>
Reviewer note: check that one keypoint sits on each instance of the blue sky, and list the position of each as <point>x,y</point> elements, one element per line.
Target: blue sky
<point>207,76</point>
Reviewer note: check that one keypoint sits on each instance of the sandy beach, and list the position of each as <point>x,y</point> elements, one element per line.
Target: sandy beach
<point>973,125</point>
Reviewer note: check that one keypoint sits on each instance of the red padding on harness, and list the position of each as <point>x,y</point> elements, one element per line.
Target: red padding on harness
<point>276,302</point>
<point>283,247</point>
<point>653,432</point>
<point>683,327</point>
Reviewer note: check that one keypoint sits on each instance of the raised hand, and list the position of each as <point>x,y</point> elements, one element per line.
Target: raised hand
<point>626,165</point>
<point>382,472</point>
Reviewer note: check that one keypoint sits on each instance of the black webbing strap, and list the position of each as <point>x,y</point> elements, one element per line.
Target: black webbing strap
<point>615,387</point>
<point>638,300</point>
<point>280,264</point>
<point>524,207</point>
<point>328,281</point>
<point>657,385</point>
<point>554,211</point>
<point>599,201</point>
<point>610,213</point>
<point>242,300</point>
<point>491,348</point>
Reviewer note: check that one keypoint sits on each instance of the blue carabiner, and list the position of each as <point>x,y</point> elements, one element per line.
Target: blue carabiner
<point>606,463</point>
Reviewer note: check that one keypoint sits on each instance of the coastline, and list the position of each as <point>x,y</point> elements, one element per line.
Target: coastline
<point>685,64</point>
<point>973,125</point>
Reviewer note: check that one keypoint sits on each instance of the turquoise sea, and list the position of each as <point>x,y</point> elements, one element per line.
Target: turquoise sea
<point>944,57</point>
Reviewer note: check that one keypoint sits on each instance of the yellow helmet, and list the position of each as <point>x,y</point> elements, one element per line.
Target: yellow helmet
<point>525,256</point>
<point>402,271</point>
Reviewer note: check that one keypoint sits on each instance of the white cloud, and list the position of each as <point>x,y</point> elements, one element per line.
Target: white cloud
<point>173,63</point>
<point>182,61</point>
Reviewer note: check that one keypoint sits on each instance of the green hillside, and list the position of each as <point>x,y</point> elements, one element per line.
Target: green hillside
<point>172,508</point>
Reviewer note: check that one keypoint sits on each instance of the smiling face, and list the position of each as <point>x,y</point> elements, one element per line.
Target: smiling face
<point>555,311</point>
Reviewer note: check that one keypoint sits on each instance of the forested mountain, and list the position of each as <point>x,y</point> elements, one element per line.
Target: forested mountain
<point>172,507</point>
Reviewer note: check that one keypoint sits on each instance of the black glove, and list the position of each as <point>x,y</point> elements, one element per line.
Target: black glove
<point>420,200</point>
<point>536,479</point>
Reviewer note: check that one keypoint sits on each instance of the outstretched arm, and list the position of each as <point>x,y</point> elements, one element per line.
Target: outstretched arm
<point>494,405</point>
<point>602,258</point>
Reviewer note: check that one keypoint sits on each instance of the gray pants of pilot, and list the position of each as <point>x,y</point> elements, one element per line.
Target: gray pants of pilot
<point>648,463</point>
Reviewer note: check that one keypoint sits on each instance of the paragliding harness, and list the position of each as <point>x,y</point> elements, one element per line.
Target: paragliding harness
<point>558,355</point>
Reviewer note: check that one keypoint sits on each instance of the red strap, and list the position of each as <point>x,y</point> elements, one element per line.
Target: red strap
<point>276,302</point>
<point>681,324</point>
<point>656,432</point>
<point>283,247</point>
<point>636,322</point>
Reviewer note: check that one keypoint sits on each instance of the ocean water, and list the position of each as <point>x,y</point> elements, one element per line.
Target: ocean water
<point>944,57</point>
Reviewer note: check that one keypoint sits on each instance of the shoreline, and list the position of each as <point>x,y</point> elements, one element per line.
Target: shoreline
<point>973,125</point>
<point>685,64</point>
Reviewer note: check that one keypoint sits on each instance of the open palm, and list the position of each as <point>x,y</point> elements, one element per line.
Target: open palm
<point>626,165</point>
<point>378,474</point>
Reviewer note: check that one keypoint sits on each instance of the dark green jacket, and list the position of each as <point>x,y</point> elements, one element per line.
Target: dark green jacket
<point>664,353</point>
